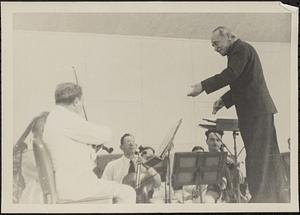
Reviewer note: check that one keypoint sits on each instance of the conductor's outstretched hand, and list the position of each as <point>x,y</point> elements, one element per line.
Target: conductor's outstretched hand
<point>196,90</point>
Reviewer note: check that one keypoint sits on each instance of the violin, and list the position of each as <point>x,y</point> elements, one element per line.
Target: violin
<point>138,181</point>
<point>229,159</point>
<point>103,147</point>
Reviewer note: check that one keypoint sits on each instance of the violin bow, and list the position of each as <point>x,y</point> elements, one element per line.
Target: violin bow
<point>83,108</point>
<point>109,150</point>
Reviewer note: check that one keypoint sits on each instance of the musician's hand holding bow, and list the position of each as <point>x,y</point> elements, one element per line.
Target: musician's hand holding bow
<point>102,147</point>
<point>144,168</point>
<point>229,160</point>
<point>223,183</point>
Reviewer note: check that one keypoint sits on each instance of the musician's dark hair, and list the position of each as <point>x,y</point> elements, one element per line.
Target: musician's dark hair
<point>123,137</point>
<point>195,148</point>
<point>66,93</point>
<point>142,148</point>
<point>213,131</point>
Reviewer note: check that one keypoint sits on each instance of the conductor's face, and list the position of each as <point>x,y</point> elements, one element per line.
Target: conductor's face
<point>220,43</point>
<point>213,142</point>
<point>129,146</point>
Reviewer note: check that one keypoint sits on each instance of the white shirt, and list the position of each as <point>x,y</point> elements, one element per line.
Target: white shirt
<point>116,170</point>
<point>67,136</point>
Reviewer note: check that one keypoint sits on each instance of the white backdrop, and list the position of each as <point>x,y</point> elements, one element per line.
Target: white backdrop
<point>137,84</point>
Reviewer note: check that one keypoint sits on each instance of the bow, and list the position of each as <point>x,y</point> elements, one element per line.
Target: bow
<point>85,115</point>
<point>96,147</point>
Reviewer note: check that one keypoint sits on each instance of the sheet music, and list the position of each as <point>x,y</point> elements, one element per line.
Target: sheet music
<point>168,139</point>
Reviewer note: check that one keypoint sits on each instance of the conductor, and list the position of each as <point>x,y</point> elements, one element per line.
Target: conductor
<point>255,110</point>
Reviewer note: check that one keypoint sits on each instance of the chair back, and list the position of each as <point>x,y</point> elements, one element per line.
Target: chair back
<point>102,161</point>
<point>45,171</point>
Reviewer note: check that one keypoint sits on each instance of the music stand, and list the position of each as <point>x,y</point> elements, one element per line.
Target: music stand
<point>197,168</point>
<point>164,154</point>
<point>102,161</point>
<point>230,125</point>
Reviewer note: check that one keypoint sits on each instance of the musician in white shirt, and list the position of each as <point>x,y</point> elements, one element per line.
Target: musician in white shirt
<point>118,169</point>
<point>69,138</point>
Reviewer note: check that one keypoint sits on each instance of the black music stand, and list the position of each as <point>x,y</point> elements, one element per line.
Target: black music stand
<point>197,168</point>
<point>229,125</point>
<point>232,125</point>
<point>164,154</point>
<point>102,161</point>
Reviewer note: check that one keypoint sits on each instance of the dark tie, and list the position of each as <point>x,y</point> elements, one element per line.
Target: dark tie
<point>131,167</point>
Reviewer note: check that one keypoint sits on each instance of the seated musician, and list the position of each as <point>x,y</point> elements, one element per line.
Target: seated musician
<point>70,139</point>
<point>224,192</point>
<point>119,169</point>
<point>216,193</point>
<point>197,149</point>
<point>147,153</point>
<point>157,194</point>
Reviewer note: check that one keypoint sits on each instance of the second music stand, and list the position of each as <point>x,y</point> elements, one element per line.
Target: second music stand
<point>229,125</point>
<point>198,168</point>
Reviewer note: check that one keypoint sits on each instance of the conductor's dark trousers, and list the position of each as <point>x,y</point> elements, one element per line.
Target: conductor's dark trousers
<point>264,169</point>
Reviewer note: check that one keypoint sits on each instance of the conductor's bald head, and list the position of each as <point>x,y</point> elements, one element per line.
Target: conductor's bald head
<point>222,38</point>
<point>224,31</point>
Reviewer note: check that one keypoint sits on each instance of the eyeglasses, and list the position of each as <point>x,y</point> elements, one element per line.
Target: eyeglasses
<point>143,153</point>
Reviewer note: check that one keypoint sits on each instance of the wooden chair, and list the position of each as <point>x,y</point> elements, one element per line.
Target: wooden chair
<point>47,178</point>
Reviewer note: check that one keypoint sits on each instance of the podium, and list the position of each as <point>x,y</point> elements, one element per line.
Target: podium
<point>222,124</point>
<point>198,168</point>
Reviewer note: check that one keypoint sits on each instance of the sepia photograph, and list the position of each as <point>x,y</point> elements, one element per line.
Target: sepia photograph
<point>114,107</point>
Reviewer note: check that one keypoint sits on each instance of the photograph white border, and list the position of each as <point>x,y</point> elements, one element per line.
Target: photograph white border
<point>8,8</point>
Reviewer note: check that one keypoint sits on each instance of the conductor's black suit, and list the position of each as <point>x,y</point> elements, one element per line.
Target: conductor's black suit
<point>255,110</point>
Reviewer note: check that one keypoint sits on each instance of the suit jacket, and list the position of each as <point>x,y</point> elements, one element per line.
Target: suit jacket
<point>244,74</point>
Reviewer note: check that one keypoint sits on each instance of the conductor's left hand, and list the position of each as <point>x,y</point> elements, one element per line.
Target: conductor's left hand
<point>218,105</point>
